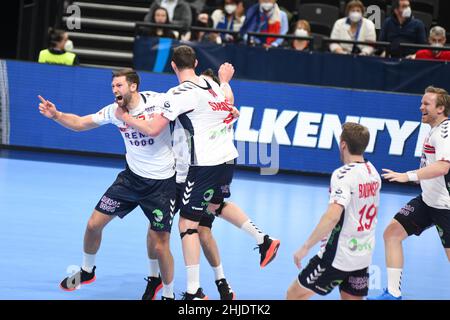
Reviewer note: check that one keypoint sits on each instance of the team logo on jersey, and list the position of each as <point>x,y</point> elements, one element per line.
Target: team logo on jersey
<point>208,195</point>
<point>158,215</point>
<point>353,245</point>
<point>166,104</point>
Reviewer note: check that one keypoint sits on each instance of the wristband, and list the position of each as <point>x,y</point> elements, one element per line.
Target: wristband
<point>412,176</point>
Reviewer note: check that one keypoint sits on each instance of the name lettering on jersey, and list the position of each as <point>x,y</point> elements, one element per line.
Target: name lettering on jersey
<point>220,106</point>
<point>322,130</point>
<point>369,189</point>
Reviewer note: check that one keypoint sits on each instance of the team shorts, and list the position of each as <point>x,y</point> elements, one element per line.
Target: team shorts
<point>321,277</point>
<point>416,216</point>
<point>153,196</point>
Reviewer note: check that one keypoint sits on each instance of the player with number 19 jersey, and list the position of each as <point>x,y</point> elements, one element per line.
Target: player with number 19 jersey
<point>355,186</point>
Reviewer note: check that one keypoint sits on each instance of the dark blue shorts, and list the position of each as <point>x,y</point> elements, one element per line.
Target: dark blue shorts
<point>416,216</point>
<point>321,277</point>
<point>153,196</point>
<point>204,185</point>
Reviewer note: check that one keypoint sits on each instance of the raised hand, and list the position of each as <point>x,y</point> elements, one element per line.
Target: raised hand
<point>47,108</point>
<point>226,72</point>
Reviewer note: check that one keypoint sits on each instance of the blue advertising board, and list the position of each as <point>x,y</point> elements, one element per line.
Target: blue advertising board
<point>286,126</point>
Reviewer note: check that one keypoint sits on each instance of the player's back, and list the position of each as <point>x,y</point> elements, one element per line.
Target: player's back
<point>355,186</point>
<point>204,113</point>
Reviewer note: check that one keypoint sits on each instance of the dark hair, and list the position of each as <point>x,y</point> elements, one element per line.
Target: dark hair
<point>356,136</point>
<point>395,4</point>
<point>129,74</point>
<point>210,73</point>
<point>152,19</point>
<point>55,36</point>
<point>442,98</point>
<point>184,57</point>
<point>354,4</point>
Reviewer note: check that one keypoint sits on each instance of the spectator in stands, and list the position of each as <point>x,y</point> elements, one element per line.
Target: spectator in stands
<point>204,20</point>
<point>353,27</point>
<point>266,17</point>
<point>402,27</point>
<point>59,48</point>
<point>302,29</point>
<point>438,39</point>
<point>161,16</point>
<point>229,17</point>
<point>179,11</point>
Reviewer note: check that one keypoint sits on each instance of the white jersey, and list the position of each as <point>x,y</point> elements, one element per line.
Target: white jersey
<point>355,186</point>
<point>436,192</point>
<point>181,151</point>
<point>148,157</point>
<point>204,113</point>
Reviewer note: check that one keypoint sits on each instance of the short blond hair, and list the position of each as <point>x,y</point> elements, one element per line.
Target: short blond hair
<point>442,98</point>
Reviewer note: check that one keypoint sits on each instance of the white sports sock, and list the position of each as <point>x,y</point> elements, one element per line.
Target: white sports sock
<point>193,278</point>
<point>168,290</point>
<point>154,268</point>
<point>218,272</point>
<point>253,231</point>
<point>88,262</point>
<point>394,281</point>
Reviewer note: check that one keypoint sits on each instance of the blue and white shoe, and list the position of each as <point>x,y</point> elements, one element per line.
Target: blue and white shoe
<point>385,296</point>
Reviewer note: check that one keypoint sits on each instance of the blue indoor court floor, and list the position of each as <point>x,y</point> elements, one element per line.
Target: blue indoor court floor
<point>46,199</point>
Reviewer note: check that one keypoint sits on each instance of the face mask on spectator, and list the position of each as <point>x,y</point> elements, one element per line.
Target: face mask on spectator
<point>230,8</point>
<point>68,46</point>
<point>406,13</point>
<point>301,33</point>
<point>437,44</point>
<point>355,16</point>
<point>267,6</point>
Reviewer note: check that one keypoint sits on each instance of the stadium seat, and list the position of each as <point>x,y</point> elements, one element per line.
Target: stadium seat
<point>321,16</point>
<point>426,18</point>
<point>430,6</point>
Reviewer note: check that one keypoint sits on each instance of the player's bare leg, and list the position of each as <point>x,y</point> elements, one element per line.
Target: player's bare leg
<point>158,248</point>
<point>191,251</point>
<point>94,229</point>
<point>268,246</point>
<point>298,292</point>
<point>211,251</point>
<point>92,241</point>
<point>209,246</point>
<point>348,296</point>
<point>393,238</point>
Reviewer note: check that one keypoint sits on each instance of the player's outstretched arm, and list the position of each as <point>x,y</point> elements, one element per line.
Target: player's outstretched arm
<point>152,127</point>
<point>70,121</point>
<point>434,170</point>
<point>323,229</point>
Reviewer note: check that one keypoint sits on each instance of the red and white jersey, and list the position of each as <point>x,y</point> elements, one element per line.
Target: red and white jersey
<point>356,187</point>
<point>204,113</point>
<point>148,157</point>
<point>436,192</point>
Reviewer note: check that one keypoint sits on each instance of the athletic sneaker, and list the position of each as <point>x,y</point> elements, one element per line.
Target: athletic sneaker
<point>153,286</point>
<point>385,296</point>
<point>226,293</point>
<point>199,295</point>
<point>268,250</point>
<point>75,281</point>
<point>167,298</point>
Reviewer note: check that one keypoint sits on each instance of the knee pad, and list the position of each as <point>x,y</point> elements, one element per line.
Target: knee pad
<point>220,208</point>
<point>188,231</point>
